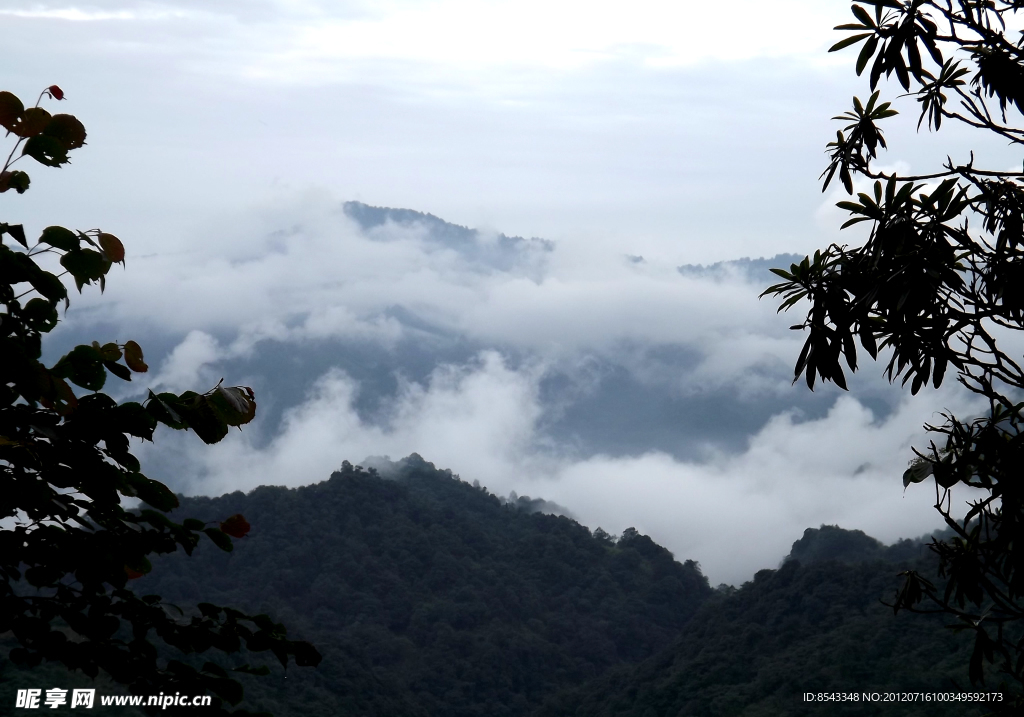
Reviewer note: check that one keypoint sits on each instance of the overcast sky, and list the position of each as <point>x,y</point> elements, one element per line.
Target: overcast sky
<point>225,137</point>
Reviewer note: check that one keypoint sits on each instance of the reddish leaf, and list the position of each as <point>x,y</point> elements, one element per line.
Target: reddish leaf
<point>133,357</point>
<point>236,526</point>
<point>112,248</point>
<point>132,574</point>
<point>55,92</point>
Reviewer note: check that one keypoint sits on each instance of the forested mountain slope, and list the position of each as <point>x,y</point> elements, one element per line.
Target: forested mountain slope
<point>814,625</point>
<point>428,596</point>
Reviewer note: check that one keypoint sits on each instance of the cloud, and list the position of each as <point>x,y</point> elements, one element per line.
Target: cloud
<point>181,370</point>
<point>225,137</point>
<point>72,14</point>
<point>303,270</point>
<point>632,394</point>
<point>626,357</point>
<point>190,117</point>
<point>482,414</point>
<point>742,512</point>
<point>735,513</point>
<point>556,35</point>
<point>631,354</point>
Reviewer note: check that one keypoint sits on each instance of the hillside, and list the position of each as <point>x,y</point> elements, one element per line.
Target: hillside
<point>814,625</point>
<point>428,596</point>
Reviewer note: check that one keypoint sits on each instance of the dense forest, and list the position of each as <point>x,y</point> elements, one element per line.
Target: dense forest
<point>431,596</point>
<point>428,596</point>
<point>814,625</point>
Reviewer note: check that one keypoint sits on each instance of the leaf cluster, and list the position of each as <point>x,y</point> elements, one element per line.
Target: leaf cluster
<point>44,137</point>
<point>68,545</point>
<point>938,283</point>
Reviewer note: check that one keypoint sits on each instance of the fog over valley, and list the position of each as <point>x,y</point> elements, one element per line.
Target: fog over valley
<point>523,240</point>
<point>635,393</point>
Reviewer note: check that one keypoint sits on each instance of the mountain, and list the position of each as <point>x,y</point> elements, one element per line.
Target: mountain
<point>757,271</point>
<point>495,251</point>
<point>830,542</point>
<point>429,596</point>
<point>815,625</point>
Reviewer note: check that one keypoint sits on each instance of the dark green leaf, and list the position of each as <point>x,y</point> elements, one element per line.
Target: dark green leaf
<point>866,53</point>
<point>132,418</point>
<point>83,366</point>
<point>917,472</point>
<point>153,492</point>
<point>40,314</point>
<point>15,180</point>
<point>60,238</point>
<point>67,130</point>
<point>85,265</point>
<point>234,405</point>
<point>846,42</point>
<point>118,370</point>
<point>17,232</point>
<point>10,110</point>
<point>162,408</point>
<point>46,150</point>
<point>202,418</point>
<point>862,15</point>
<point>306,655</point>
<point>31,122</point>
<point>221,540</point>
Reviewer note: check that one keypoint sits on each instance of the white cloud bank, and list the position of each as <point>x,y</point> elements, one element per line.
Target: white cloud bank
<point>300,42</point>
<point>735,514</point>
<point>323,278</point>
<point>320,277</point>
<point>614,133</point>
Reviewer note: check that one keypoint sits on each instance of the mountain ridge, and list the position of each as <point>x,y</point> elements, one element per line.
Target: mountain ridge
<point>428,595</point>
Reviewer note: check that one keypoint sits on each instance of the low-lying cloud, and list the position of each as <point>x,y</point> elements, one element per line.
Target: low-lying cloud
<point>734,513</point>
<point>633,393</point>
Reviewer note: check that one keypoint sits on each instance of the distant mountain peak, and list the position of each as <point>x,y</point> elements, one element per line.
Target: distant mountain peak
<point>496,251</point>
<point>830,542</point>
<point>753,270</point>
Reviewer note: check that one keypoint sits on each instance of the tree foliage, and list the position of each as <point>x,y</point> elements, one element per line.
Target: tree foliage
<point>938,283</point>
<point>814,625</point>
<point>68,546</point>
<point>432,597</point>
